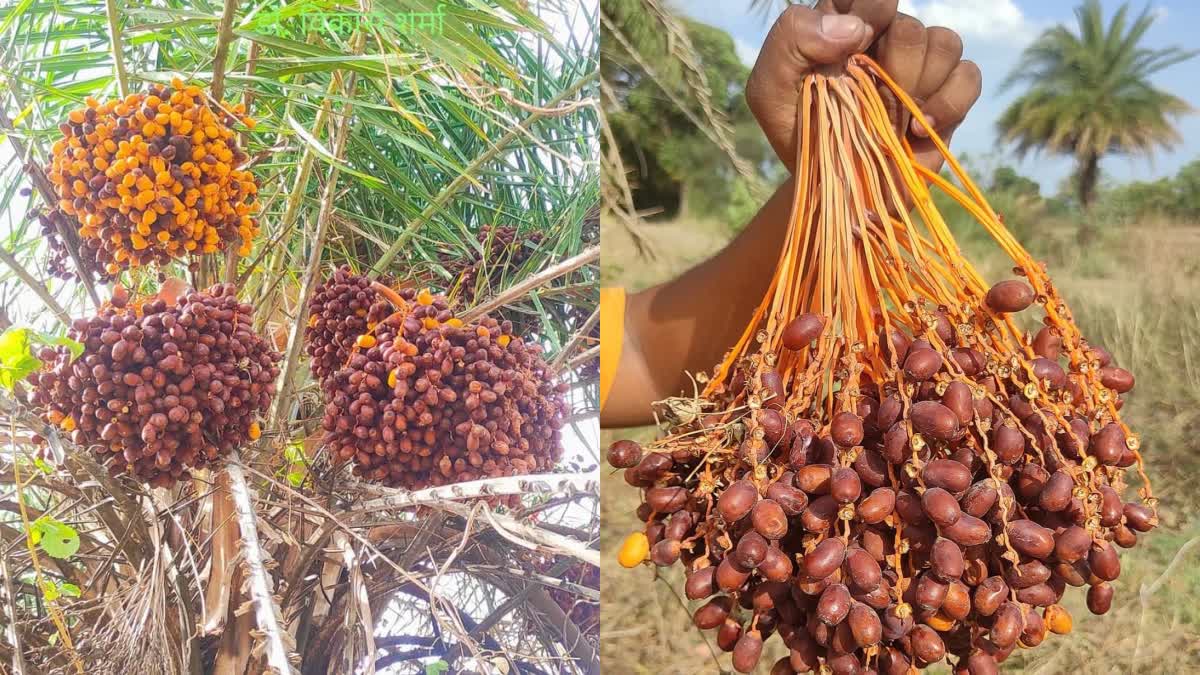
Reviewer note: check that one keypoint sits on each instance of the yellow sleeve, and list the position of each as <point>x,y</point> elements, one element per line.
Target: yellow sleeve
<point>612,331</point>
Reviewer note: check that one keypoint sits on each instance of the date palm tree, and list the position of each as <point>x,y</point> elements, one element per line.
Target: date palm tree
<point>379,145</point>
<point>1090,93</point>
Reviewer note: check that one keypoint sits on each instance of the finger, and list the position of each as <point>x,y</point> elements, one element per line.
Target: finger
<point>947,107</point>
<point>926,152</point>
<point>805,37</point>
<point>878,14</point>
<point>943,51</point>
<point>901,51</point>
<point>800,39</point>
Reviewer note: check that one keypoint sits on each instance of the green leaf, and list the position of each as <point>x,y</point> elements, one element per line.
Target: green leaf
<point>43,466</point>
<point>294,454</point>
<point>326,155</point>
<point>436,668</point>
<point>53,590</point>
<point>16,359</point>
<point>14,13</point>
<point>296,478</point>
<point>56,538</point>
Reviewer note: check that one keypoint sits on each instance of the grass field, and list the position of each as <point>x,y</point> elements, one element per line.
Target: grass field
<point>1137,292</point>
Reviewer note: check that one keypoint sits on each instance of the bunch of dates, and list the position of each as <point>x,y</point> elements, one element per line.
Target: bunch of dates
<point>422,398</point>
<point>160,388</point>
<point>939,509</point>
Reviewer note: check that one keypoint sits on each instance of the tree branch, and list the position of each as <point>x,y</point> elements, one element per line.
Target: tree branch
<point>577,339</point>
<point>312,269</point>
<point>487,487</point>
<point>527,284</point>
<point>262,590</point>
<point>114,34</point>
<point>224,37</point>
<point>36,286</point>
<point>46,190</point>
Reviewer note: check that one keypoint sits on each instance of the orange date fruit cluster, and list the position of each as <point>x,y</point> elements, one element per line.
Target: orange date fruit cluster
<point>152,177</point>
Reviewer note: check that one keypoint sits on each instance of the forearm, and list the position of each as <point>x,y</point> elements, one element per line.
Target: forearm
<point>686,325</point>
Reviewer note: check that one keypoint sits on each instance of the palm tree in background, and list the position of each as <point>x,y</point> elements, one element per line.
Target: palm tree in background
<point>1090,94</point>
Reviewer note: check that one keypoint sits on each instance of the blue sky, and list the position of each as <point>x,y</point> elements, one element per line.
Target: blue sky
<point>994,33</point>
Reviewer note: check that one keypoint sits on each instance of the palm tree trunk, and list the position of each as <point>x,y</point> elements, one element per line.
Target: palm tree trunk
<point>1089,175</point>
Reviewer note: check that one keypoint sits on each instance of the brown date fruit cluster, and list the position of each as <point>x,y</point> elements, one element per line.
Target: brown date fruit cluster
<point>940,510</point>
<point>161,389</point>
<point>341,309</point>
<point>59,262</point>
<point>501,248</point>
<point>148,178</point>
<point>425,399</point>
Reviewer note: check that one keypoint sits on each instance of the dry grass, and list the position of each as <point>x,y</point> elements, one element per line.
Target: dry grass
<point>677,246</point>
<point>1135,291</point>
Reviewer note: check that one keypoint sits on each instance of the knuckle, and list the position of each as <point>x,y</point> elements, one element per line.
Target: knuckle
<point>970,78</point>
<point>879,10</point>
<point>948,109</point>
<point>907,30</point>
<point>945,40</point>
<point>752,93</point>
<point>758,94</point>
<point>971,71</point>
<point>795,15</point>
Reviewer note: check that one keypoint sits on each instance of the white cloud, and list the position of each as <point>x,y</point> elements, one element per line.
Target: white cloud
<point>746,52</point>
<point>999,21</point>
<point>1160,13</point>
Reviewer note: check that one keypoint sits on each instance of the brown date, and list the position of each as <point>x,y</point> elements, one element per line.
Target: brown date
<point>802,331</point>
<point>1010,295</point>
<point>737,500</point>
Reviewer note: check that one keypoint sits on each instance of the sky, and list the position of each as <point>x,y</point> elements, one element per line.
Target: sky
<point>994,33</point>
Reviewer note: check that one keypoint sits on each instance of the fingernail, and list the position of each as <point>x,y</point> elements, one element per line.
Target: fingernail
<point>918,129</point>
<point>840,26</point>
